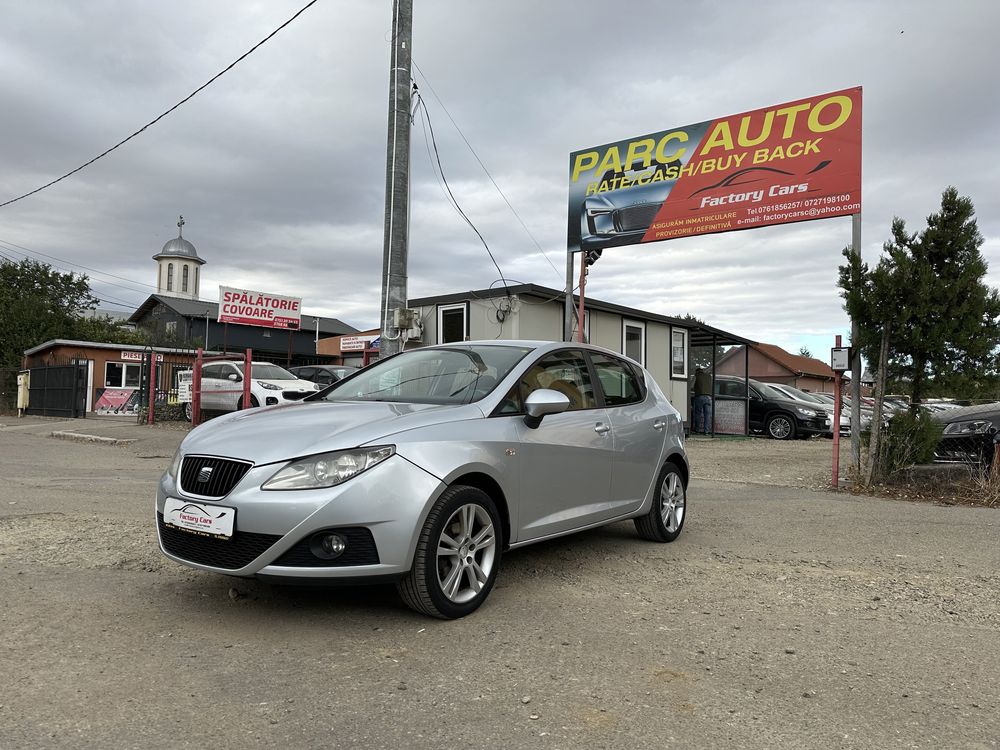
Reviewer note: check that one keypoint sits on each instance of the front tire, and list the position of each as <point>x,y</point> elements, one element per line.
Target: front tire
<point>665,519</point>
<point>254,403</point>
<point>781,427</point>
<point>188,411</point>
<point>457,557</point>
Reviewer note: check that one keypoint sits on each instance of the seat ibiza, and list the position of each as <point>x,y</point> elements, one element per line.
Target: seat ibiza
<point>426,467</point>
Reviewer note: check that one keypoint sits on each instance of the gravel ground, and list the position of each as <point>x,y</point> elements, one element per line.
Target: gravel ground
<point>782,618</point>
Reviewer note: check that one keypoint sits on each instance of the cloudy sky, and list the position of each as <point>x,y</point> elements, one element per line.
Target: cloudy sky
<point>278,167</point>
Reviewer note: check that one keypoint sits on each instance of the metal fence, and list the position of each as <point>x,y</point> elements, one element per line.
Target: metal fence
<point>8,389</point>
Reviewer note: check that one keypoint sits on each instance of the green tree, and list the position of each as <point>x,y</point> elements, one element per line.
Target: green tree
<point>924,314</point>
<point>38,303</point>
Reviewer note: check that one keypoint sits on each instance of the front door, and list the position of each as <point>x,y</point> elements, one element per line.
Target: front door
<point>566,461</point>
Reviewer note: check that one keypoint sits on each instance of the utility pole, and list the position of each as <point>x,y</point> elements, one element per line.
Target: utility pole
<point>397,177</point>
<point>856,363</point>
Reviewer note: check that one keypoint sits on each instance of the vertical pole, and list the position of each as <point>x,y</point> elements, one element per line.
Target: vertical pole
<point>568,307</point>
<point>746,389</point>
<point>152,387</point>
<point>583,284</point>
<point>855,362</point>
<point>836,423</point>
<point>711,415</point>
<point>247,374</point>
<point>288,362</point>
<point>397,176</point>
<point>206,330</point>
<point>196,389</point>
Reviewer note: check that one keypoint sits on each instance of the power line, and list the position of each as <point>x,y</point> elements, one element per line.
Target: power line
<point>157,119</point>
<point>468,221</point>
<point>26,250</point>
<point>72,270</point>
<point>490,176</point>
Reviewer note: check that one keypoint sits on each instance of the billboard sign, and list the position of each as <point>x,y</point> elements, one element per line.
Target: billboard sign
<point>252,308</point>
<point>357,343</point>
<point>790,162</point>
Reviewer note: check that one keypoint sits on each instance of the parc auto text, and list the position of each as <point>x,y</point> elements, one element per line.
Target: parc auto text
<point>799,127</point>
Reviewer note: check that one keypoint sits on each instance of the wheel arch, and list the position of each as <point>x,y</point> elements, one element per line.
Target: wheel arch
<point>678,460</point>
<point>491,487</point>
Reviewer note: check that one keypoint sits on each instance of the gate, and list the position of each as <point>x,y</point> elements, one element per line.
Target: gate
<point>166,371</point>
<point>58,391</point>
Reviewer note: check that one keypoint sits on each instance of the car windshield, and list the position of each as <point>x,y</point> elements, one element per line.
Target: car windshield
<point>803,396</point>
<point>456,374</point>
<point>264,371</point>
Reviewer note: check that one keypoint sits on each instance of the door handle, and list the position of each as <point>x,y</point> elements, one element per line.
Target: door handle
<point>600,428</point>
<point>659,424</point>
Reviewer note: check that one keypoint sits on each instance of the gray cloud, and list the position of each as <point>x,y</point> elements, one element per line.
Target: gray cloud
<point>279,166</point>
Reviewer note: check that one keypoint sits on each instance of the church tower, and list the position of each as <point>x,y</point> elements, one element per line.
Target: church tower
<point>179,267</point>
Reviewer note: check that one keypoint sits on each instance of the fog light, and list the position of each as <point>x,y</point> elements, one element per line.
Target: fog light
<point>327,546</point>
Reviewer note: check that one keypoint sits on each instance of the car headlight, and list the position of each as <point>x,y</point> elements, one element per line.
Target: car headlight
<point>269,386</point>
<point>327,469</point>
<point>805,412</point>
<point>973,427</point>
<point>175,465</point>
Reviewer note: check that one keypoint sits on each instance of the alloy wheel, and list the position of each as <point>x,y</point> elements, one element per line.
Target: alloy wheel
<point>672,502</point>
<point>466,552</point>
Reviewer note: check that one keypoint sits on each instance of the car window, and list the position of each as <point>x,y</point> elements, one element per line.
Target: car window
<point>456,374</point>
<point>566,372</point>
<point>265,371</point>
<point>730,388</point>
<point>212,371</point>
<point>305,373</point>
<point>618,381</point>
<point>324,377</point>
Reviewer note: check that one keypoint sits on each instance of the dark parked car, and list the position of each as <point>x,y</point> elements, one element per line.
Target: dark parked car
<point>968,434</point>
<point>323,374</point>
<point>774,413</point>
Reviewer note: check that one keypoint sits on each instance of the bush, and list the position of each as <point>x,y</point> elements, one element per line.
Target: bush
<point>910,439</point>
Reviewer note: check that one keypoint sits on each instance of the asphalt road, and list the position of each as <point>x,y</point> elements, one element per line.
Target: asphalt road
<point>782,618</point>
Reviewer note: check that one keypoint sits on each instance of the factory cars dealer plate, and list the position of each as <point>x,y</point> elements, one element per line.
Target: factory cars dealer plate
<point>200,518</point>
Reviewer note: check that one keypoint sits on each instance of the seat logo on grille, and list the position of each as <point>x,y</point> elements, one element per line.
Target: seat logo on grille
<point>205,474</point>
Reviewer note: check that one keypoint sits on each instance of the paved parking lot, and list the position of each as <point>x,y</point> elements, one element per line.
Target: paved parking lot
<point>783,617</point>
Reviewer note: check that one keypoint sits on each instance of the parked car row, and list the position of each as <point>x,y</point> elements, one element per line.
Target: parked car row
<point>773,412</point>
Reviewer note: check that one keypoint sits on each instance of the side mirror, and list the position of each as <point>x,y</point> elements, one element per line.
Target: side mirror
<point>235,377</point>
<point>541,402</point>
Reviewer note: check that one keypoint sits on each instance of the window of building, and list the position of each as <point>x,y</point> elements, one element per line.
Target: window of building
<point>452,323</point>
<point>634,340</point>
<point>678,353</point>
<point>170,277</point>
<point>196,279</point>
<point>171,326</point>
<point>184,278</point>
<point>121,375</point>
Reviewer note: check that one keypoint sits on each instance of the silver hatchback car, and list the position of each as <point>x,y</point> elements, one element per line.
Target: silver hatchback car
<point>424,468</point>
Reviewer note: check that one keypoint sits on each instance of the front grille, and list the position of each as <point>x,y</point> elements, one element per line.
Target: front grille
<point>360,550</point>
<point>236,552</point>
<point>295,395</point>
<point>636,218</point>
<point>224,475</point>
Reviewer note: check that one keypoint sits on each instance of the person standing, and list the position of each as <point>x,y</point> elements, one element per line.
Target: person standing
<point>702,401</point>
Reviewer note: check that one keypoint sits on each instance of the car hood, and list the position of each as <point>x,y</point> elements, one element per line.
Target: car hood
<point>278,433</point>
<point>968,413</point>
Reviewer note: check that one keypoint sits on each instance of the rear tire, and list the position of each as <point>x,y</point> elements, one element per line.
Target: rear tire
<point>189,411</point>
<point>457,557</point>
<point>665,519</point>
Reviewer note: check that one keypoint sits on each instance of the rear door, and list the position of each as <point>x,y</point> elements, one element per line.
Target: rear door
<point>639,427</point>
<point>566,461</point>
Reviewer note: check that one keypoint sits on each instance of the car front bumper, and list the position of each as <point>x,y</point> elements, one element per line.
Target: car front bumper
<point>379,513</point>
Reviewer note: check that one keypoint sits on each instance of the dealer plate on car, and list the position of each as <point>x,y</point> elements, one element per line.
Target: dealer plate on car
<point>200,518</point>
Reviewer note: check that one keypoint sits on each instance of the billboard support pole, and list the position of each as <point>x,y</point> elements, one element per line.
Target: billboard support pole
<point>568,313</point>
<point>855,361</point>
<point>583,284</point>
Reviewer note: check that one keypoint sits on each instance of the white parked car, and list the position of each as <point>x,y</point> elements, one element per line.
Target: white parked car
<point>222,386</point>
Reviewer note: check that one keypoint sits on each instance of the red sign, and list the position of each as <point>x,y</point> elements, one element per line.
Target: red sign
<point>258,308</point>
<point>791,162</point>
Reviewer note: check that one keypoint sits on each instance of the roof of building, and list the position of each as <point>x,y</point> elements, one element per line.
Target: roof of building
<point>796,362</point>
<point>700,334</point>
<point>104,345</point>
<point>193,308</point>
<point>179,247</point>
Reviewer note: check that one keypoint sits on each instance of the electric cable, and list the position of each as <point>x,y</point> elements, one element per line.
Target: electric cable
<point>468,221</point>
<point>164,114</point>
<point>481,164</point>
